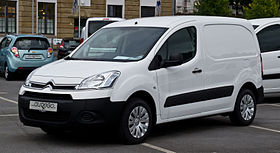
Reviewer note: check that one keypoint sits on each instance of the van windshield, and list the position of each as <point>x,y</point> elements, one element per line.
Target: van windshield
<point>119,44</point>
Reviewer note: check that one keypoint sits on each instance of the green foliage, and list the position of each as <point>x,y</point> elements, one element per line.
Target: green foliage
<point>240,2</point>
<point>262,9</point>
<point>212,7</point>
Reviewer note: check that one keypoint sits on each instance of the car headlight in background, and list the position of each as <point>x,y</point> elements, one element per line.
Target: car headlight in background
<point>103,80</point>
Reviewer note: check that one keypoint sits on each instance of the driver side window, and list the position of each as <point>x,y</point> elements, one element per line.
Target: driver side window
<point>181,42</point>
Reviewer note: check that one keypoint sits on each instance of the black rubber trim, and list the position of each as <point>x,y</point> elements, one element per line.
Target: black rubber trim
<point>260,94</point>
<point>271,76</point>
<point>198,96</point>
<point>69,112</point>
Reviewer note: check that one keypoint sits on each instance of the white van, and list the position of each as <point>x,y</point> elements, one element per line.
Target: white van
<point>94,24</point>
<point>268,34</point>
<point>142,72</point>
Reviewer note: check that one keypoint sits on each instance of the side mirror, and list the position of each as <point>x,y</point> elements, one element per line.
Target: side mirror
<point>175,60</point>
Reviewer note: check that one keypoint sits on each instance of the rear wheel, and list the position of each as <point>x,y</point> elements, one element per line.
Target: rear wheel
<point>7,73</point>
<point>136,121</point>
<point>245,108</point>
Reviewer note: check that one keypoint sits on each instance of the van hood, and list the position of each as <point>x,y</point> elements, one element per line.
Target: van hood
<point>74,71</point>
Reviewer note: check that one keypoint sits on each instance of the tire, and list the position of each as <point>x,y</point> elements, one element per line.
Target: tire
<point>245,108</point>
<point>7,74</point>
<point>138,130</point>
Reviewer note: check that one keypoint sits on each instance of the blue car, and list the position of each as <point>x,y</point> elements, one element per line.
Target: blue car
<point>24,53</point>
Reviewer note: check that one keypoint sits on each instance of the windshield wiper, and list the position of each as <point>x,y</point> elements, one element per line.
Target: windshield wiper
<point>70,58</point>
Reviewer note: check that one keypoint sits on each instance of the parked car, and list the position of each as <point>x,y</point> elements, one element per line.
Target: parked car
<point>268,33</point>
<point>94,24</point>
<point>21,53</point>
<point>141,72</point>
<point>67,46</point>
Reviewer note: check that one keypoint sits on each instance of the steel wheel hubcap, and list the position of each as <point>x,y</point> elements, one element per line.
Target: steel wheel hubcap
<point>247,107</point>
<point>138,122</point>
<point>6,72</point>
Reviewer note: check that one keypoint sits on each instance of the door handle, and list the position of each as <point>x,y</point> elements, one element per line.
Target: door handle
<point>278,56</point>
<point>197,70</point>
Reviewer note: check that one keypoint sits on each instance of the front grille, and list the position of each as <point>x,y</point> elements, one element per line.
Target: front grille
<point>47,116</point>
<point>34,85</point>
<point>48,96</point>
<point>64,87</point>
<point>41,86</point>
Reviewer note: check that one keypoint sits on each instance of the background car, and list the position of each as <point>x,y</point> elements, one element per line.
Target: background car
<point>67,46</point>
<point>24,53</point>
<point>94,24</point>
<point>268,33</point>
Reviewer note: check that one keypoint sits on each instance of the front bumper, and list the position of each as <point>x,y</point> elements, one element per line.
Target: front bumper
<point>70,113</point>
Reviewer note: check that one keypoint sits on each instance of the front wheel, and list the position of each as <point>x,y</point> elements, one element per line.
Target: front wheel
<point>136,121</point>
<point>245,108</point>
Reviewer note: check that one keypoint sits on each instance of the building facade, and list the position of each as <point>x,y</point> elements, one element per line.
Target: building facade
<point>55,18</point>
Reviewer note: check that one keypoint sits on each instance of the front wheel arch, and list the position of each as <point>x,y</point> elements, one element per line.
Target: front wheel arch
<point>149,99</point>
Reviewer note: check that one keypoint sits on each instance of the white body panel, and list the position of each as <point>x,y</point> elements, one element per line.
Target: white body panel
<point>271,59</point>
<point>218,70</point>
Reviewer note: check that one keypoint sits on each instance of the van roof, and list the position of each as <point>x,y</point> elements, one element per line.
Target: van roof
<point>264,21</point>
<point>171,21</point>
<point>105,19</point>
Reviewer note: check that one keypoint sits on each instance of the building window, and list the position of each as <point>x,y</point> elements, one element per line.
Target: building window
<point>8,16</point>
<point>114,11</point>
<point>147,11</point>
<point>46,18</point>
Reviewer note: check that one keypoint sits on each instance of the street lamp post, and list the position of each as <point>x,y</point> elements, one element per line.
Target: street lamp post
<point>32,17</point>
<point>79,7</point>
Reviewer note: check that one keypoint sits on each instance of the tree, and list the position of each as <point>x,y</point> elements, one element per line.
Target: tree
<point>244,3</point>
<point>212,7</point>
<point>262,9</point>
<point>238,5</point>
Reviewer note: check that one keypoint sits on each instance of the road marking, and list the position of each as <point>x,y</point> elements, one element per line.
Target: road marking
<point>157,148</point>
<point>8,100</point>
<point>276,105</point>
<point>8,115</point>
<point>266,129</point>
<point>3,93</point>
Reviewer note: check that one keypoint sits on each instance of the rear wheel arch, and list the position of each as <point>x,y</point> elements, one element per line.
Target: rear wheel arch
<point>252,87</point>
<point>245,108</point>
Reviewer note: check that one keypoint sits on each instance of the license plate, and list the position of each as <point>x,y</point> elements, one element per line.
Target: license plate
<point>33,56</point>
<point>43,106</point>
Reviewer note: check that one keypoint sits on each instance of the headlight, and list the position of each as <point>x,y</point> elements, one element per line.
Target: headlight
<point>103,80</point>
<point>27,81</point>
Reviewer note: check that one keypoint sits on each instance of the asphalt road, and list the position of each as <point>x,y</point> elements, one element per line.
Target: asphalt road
<point>209,135</point>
